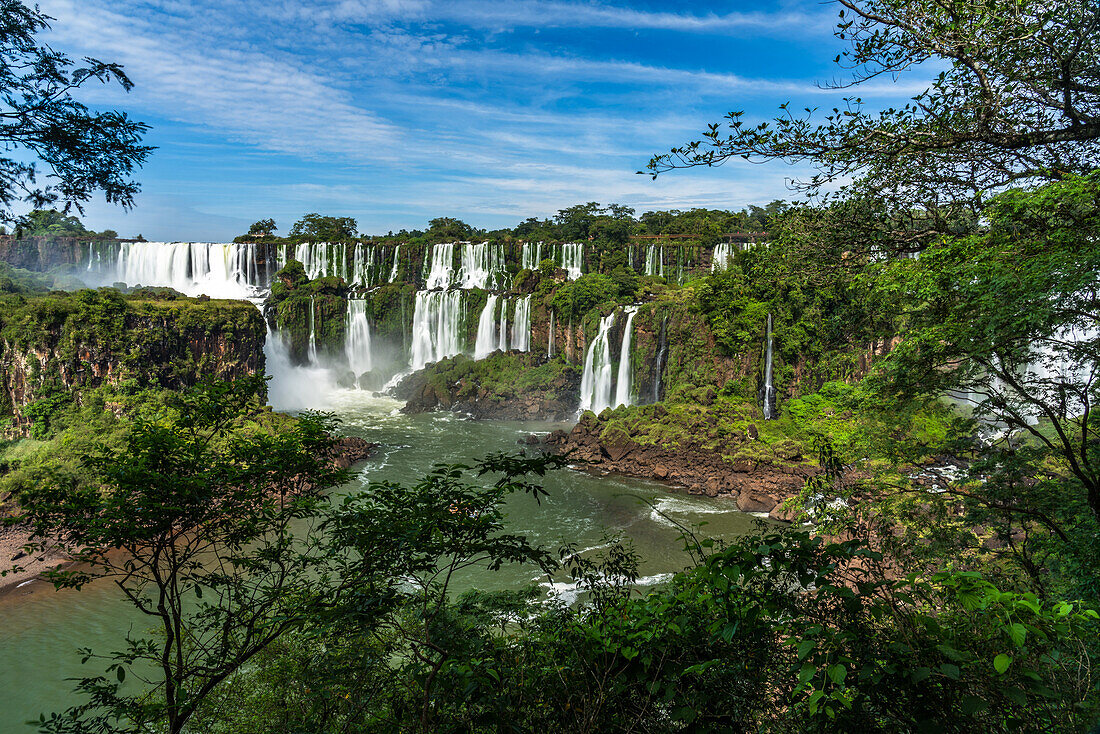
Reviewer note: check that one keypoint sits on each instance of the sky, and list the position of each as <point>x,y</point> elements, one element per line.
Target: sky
<point>398,111</point>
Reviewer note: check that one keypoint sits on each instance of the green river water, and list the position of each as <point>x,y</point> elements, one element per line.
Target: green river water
<point>40,629</point>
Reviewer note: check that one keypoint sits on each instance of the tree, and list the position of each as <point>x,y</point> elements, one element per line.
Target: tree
<point>262,228</point>
<point>317,228</point>
<point>1019,101</point>
<point>83,150</point>
<point>213,520</point>
<point>49,222</point>
<point>449,229</point>
<point>202,505</point>
<point>1009,321</point>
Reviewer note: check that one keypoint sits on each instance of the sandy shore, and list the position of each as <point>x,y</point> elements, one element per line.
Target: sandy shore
<point>12,554</point>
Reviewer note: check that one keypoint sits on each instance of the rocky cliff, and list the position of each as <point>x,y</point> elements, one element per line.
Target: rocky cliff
<point>62,342</point>
<point>503,386</point>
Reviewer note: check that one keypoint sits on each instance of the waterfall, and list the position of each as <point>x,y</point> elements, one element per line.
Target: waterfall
<point>655,261</point>
<point>659,362</point>
<point>486,329</point>
<point>623,386</point>
<point>596,377</point>
<point>722,257</point>
<point>323,259</point>
<point>292,387</point>
<point>503,346</point>
<point>436,327</point>
<point>357,337</point>
<point>572,259</point>
<point>550,337</point>
<point>220,270</point>
<point>393,270</point>
<point>769,387</point>
<point>483,267</point>
<point>312,334</point>
<point>531,255</point>
<point>521,327</point>
<point>443,259</point>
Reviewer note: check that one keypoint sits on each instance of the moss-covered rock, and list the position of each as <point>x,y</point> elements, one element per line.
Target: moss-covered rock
<point>503,386</point>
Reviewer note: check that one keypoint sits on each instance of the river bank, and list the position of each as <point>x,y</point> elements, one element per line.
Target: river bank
<point>29,567</point>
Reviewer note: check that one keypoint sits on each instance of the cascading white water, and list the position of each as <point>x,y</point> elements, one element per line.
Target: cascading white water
<point>596,377</point>
<point>293,387</point>
<point>322,259</point>
<point>363,265</point>
<point>393,270</point>
<point>219,270</point>
<point>486,329</point>
<point>722,257</point>
<point>550,337</point>
<point>521,327</point>
<point>572,259</point>
<point>442,265</point>
<point>503,345</point>
<point>312,333</point>
<point>482,266</point>
<point>655,261</point>
<point>357,337</point>
<point>623,385</point>
<point>531,255</point>
<point>436,327</point>
<point>769,387</point>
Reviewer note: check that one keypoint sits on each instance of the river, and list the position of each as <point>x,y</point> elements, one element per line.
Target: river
<point>40,629</point>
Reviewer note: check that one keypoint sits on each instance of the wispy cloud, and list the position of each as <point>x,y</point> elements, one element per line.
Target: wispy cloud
<point>396,109</point>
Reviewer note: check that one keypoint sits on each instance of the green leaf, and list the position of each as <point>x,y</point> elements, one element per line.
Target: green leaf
<point>1017,633</point>
<point>971,705</point>
<point>1001,663</point>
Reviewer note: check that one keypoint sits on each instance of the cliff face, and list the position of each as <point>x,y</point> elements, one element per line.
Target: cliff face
<point>69,341</point>
<point>43,253</point>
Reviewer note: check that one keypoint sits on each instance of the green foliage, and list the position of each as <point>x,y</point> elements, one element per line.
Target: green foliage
<point>317,228</point>
<point>44,413</point>
<point>49,222</point>
<point>263,227</point>
<point>82,151</point>
<point>447,229</point>
<point>1015,99</point>
<point>778,632</point>
<point>576,299</point>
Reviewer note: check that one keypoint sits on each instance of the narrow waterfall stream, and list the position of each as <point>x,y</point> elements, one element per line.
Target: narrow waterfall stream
<point>655,261</point>
<point>550,337</point>
<point>596,377</point>
<point>357,338</point>
<point>521,325</point>
<point>624,382</point>
<point>486,329</point>
<point>722,257</point>
<point>769,387</point>
<point>572,259</point>
<point>659,361</point>
<point>436,327</point>
<point>503,345</point>
<point>312,332</point>
<point>396,262</point>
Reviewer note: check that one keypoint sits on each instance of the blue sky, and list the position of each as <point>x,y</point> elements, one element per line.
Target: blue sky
<point>397,111</point>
